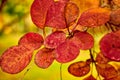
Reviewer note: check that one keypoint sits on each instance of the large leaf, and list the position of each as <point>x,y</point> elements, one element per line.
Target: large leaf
<point>86,4</point>
<point>110,45</point>
<point>15,59</point>
<point>82,40</point>
<point>71,12</point>
<point>31,40</point>
<point>66,52</point>
<point>107,71</point>
<point>39,11</point>
<point>44,57</point>
<point>94,17</point>
<point>79,69</point>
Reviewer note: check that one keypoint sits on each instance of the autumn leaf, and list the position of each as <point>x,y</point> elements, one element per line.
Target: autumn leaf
<point>101,59</point>
<point>110,47</point>
<point>44,57</point>
<point>106,70</point>
<point>94,17</point>
<point>86,4</point>
<point>79,69</point>
<point>71,12</point>
<point>39,9</point>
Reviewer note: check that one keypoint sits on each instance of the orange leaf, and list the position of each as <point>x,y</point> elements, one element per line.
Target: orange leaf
<point>107,71</point>
<point>94,17</point>
<point>86,4</point>
<point>79,69</point>
<point>101,59</point>
<point>71,12</point>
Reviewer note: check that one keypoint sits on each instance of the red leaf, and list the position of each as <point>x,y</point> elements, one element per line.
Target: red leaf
<point>94,17</point>
<point>44,58</point>
<point>55,39</point>
<point>83,40</point>
<point>15,59</point>
<point>71,12</point>
<point>31,40</point>
<point>55,16</point>
<point>39,11</point>
<point>110,46</point>
<point>66,52</point>
<point>79,69</point>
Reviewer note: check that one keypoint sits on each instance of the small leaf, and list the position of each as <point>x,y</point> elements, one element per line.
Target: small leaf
<point>101,59</point>
<point>31,40</point>
<point>55,39</point>
<point>79,69</point>
<point>15,59</point>
<point>39,11</point>
<point>90,78</point>
<point>106,70</point>
<point>44,57</point>
<point>71,12</point>
<point>66,52</point>
<point>94,17</point>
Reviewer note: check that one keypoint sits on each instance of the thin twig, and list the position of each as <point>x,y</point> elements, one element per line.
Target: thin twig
<point>44,32</point>
<point>61,71</point>
<point>25,74</point>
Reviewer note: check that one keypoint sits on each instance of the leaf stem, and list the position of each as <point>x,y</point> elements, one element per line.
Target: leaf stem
<point>44,33</point>
<point>25,74</point>
<point>61,71</point>
<point>68,31</point>
<point>94,62</point>
<point>91,56</point>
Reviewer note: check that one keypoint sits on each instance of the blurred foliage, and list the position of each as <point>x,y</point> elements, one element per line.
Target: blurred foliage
<point>15,20</point>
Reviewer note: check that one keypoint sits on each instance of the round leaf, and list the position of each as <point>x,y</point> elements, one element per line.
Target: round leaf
<point>106,70</point>
<point>66,52</point>
<point>55,39</point>
<point>110,46</point>
<point>71,12</point>
<point>39,11</point>
<point>82,40</point>
<point>31,40</point>
<point>44,57</point>
<point>79,69</point>
<point>94,17</point>
<point>15,59</point>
